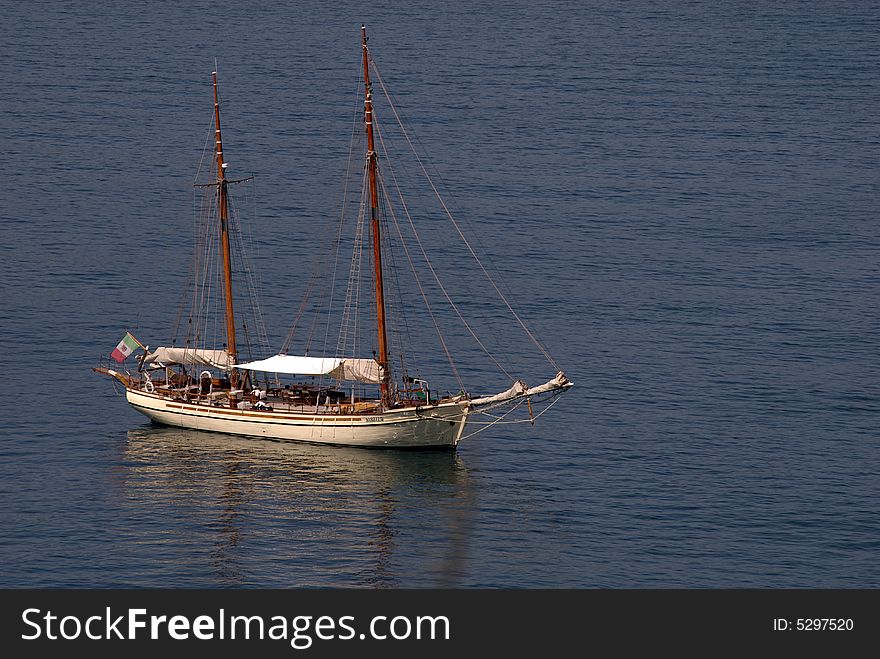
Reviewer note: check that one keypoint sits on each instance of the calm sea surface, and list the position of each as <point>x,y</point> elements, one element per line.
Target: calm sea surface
<point>683,199</point>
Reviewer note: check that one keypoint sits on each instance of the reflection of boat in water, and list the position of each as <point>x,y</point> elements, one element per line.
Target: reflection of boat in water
<point>311,515</point>
<point>341,466</point>
<point>211,379</point>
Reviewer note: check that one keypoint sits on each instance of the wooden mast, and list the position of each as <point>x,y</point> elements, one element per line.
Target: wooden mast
<point>372,164</point>
<point>223,207</point>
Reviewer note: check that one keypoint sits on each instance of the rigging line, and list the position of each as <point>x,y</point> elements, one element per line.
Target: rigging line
<point>458,229</point>
<point>244,246</point>
<point>188,281</point>
<point>393,296</point>
<point>196,266</point>
<point>352,291</point>
<point>212,276</point>
<point>419,283</point>
<point>398,309</point>
<point>331,299</point>
<point>208,138</point>
<point>498,420</point>
<point>317,260</point>
<point>358,280</point>
<point>515,404</point>
<point>481,310</point>
<point>433,271</point>
<point>317,314</point>
<point>351,305</point>
<point>427,260</point>
<point>302,306</point>
<point>486,427</point>
<point>246,304</point>
<point>210,306</point>
<point>404,346</point>
<point>338,242</point>
<point>467,222</point>
<point>202,281</point>
<point>313,280</point>
<point>342,337</point>
<point>352,298</point>
<point>551,399</point>
<point>211,315</point>
<point>258,282</point>
<point>204,270</point>
<point>401,325</point>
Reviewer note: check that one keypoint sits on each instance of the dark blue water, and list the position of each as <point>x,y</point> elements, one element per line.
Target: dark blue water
<point>683,198</point>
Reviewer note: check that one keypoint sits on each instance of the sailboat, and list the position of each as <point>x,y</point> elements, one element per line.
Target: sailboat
<point>336,397</point>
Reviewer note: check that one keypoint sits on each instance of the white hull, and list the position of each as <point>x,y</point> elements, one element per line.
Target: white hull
<point>436,425</point>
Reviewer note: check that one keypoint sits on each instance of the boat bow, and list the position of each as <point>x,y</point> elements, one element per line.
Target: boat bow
<point>334,398</point>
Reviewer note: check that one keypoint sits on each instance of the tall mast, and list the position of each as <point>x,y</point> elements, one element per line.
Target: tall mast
<point>372,164</point>
<point>223,206</point>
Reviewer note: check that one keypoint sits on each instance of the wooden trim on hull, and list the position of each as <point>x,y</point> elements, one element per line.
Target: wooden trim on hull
<point>441,425</point>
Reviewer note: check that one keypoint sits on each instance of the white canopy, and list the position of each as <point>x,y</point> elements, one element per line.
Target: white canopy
<point>190,356</point>
<point>339,368</point>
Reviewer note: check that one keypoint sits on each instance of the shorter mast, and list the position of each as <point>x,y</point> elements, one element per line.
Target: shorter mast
<point>223,208</point>
<point>372,164</point>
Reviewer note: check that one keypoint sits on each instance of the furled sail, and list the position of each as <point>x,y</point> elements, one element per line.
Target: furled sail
<point>190,356</point>
<point>559,382</point>
<point>339,368</point>
<point>520,389</point>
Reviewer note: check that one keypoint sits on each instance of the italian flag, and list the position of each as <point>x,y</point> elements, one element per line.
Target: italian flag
<point>127,346</point>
